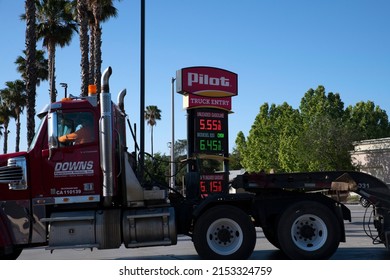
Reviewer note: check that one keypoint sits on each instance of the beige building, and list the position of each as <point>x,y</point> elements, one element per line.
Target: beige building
<point>373,157</point>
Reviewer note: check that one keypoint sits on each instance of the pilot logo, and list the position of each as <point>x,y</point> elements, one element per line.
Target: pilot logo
<point>73,168</point>
<point>194,78</point>
<point>206,81</point>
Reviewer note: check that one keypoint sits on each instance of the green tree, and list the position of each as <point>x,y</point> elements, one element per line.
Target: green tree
<point>55,25</point>
<point>152,115</point>
<point>319,136</point>
<point>180,152</point>
<point>157,170</point>
<point>289,138</point>
<point>15,98</point>
<point>181,147</point>
<point>31,67</point>
<point>368,121</point>
<point>273,127</point>
<point>324,145</point>
<point>317,103</point>
<point>325,140</point>
<point>235,160</point>
<point>241,148</point>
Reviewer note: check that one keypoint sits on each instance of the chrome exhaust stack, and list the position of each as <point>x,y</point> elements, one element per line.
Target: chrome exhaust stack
<point>105,136</point>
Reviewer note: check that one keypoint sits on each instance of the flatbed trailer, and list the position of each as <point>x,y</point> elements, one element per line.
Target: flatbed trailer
<point>270,189</point>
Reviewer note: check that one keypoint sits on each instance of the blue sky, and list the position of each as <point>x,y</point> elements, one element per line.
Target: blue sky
<point>279,49</point>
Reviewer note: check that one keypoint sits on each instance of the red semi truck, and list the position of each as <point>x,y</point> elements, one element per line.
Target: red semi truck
<point>62,194</point>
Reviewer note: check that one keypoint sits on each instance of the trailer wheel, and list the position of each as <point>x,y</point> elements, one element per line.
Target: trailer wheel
<point>308,230</point>
<point>224,232</point>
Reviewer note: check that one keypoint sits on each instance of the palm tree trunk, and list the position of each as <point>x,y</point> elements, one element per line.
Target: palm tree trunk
<point>52,84</point>
<point>92,55</point>
<point>5,147</point>
<point>97,11</point>
<point>17,133</point>
<point>31,69</point>
<point>82,19</point>
<point>98,56</point>
<point>151,139</point>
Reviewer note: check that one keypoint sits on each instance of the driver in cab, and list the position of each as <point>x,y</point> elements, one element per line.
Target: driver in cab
<point>83,135</point>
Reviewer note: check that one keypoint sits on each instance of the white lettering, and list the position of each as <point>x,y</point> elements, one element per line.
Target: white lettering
<point>192,78</point>
<point>71,168</point>
<point>195,78</point>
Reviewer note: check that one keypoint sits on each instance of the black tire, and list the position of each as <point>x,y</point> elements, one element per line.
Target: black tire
<point>308,230</point>
<point>11,256</point>
<point>224,232</point>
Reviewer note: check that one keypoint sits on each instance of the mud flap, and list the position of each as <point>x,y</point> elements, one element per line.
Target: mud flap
<point>387,237</point>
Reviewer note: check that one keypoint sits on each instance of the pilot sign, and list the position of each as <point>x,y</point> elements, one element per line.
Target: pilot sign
<point>210,131</point>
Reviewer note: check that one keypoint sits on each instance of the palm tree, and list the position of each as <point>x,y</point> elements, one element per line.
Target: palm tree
<point>5,114</point>
<point>15,98</point>
<point>41,66</point>
<point>89,14</point>
<point>55,25</point>
<point>82,20</point>
<point>152,114</point>
<point>102,10</point>
<point>31,67</point>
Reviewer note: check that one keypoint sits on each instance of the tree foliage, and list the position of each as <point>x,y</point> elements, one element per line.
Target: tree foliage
<point>318,136</point>
<point>15,98</point>
<point>274,129</point>
<point>152,115</point>
<point>55,26</point>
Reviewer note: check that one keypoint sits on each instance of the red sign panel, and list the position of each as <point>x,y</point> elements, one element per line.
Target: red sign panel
<point>196,101</point>
<point>206,81</point>
<point>212,183</point>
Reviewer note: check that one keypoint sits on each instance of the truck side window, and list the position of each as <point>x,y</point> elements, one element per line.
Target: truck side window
<point>75,128</point>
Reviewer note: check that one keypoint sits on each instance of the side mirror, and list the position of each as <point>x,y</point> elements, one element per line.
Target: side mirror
<point>53,142</point>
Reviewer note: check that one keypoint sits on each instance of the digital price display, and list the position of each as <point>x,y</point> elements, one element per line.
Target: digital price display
<point>212,183</point>
<point>211,131</point>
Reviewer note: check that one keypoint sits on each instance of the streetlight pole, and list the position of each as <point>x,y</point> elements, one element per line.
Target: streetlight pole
<point>142,95</point>
<point>65,86</point>
<point>173,135</point>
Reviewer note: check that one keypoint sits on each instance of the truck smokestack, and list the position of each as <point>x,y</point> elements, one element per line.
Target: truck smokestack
<point>105,135</point>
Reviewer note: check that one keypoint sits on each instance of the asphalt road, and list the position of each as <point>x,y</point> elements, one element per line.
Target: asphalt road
<point>358,247</point>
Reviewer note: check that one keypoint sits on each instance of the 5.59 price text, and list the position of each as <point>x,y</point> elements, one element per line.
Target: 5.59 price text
<point>210,124</point>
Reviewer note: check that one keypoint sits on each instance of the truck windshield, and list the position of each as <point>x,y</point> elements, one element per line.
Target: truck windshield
<point>75,128</point>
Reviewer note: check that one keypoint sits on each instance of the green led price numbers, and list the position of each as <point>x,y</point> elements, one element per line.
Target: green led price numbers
<point>210,145</point>
<point>210,131</point>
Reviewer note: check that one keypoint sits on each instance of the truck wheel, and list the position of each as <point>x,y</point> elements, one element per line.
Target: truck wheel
<point>224,232</point>
<point>308,230</point>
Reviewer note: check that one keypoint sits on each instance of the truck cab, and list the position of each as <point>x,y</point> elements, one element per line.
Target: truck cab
<point>68,192</point>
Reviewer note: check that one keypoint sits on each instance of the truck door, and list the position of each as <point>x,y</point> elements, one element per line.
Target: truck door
<point>72,172</point>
